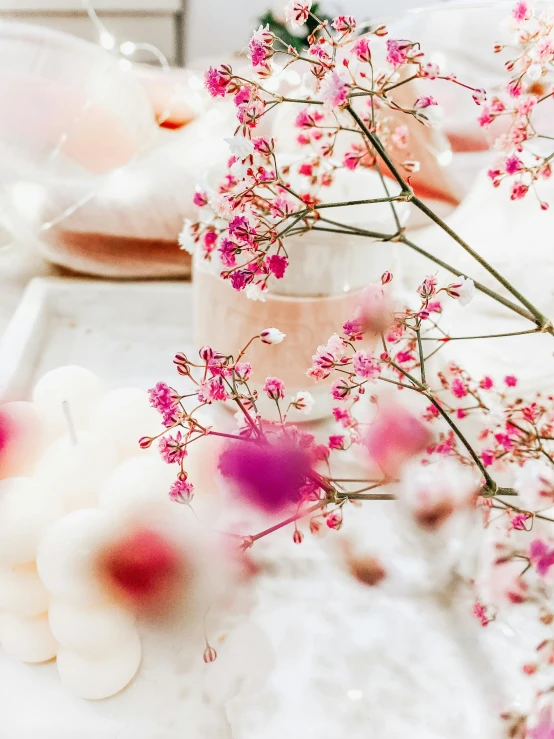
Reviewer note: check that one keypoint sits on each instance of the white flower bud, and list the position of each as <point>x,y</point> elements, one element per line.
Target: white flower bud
<point>272,336</point>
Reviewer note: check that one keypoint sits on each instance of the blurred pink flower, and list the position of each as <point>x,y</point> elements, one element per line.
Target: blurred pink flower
<point>267,476</point>
<point>545,727</point>
<point>395,436</point>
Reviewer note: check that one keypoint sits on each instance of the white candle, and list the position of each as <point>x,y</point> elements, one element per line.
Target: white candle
<point>65,559</point>
<point>137,482</point>
<point>123,417</point>
<point>22,592</point>
<point>95,678</point>
<point>94,630</point>
<point>76,473</point>
<point>29,639</point>
<point>26,512</point>
<point>24,439</point>
<point>80,387</point>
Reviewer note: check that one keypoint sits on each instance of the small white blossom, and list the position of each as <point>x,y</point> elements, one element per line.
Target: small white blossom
<point>254,292</point>
<point>434,115</point>
<point>534,72</point>
<point>186,237</point>
<point>240,146</point>
<point>222,206</point>
<point>463,291</point>
<point>304,402</point>
<point>272,336</point>
<point>297,12</point>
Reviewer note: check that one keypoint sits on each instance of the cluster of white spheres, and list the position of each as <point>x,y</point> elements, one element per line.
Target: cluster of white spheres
<point>61,489</point>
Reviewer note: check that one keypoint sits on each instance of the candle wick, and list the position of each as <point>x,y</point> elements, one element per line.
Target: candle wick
<point>69,421</point>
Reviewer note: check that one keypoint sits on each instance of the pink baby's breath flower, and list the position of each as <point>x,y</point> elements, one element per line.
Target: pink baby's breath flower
<point>513,164</point>
<point>486,383</point>
<point>458,388</point>
<point>277,265</point>
<point>352,159</point>
<point>340,389</point>
<point>342,416</point>
<point>428,287</point>
<point>172,448</point>
<point>522,11</point>
<point>266,476</point>
<point>344,24</point>
<point>488,457</point>
<point>395,436</point>
<point>243,370</point>
<point>362,49</point>
<point>485,118</point>
<point>216,82</point>
<point>181,491</point>
<point>297,12</point>
<point>212,390</point>
<point>519,521</point>
<point>333,91</point>
<point>353,329</point>
<point>334,521</point>
<point>165,400</point>
<point>366,365</point>
<point>541,556</point>
<point>397,51</point>
<point>336,441</point>
<point>480,612</point>
<point>240,278</point>
<point>274,388</point>
<point>510,380</point>
<point>227,250</point>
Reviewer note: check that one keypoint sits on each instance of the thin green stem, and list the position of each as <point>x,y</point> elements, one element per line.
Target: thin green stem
<point>539,318</point>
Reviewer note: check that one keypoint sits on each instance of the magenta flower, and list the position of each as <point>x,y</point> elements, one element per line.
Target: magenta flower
<point>181,491</point>
<point>365,365</point>
<point>545,727</point>
<point>362,49</point>
<point>243,370</point>
<point>212,390</point>
<point>166,401</point>
<point>240,278</point>
<point>216,81</point>
<point>333,91</point>
<point>344,24</point>
<point>397,51</point>
<point>277,265</point>
<point>488,457</point>
<point>458,388</point>
<point>267,476</point>
<point>395,436</point>
<point>519,191</point>
<point>541,556</point>
<point>521,11</point>
<point>340,389</point>
<point>336,441</point>
<point>172,448</point>
<point>274,388</point>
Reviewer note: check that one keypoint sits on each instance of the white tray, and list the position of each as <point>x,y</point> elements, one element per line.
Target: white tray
<point>125,332</point>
